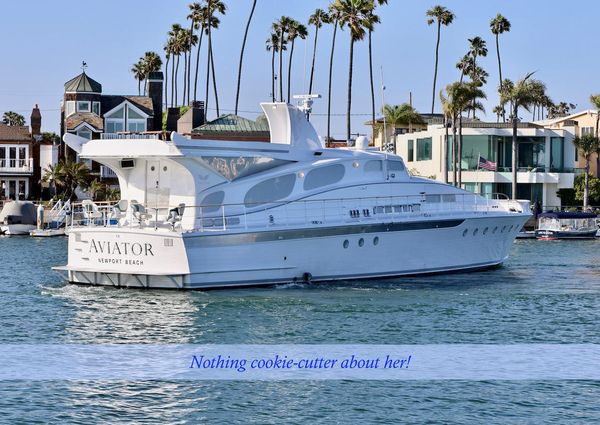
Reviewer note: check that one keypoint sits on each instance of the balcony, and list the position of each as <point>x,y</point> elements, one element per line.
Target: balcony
<point>16,166</point>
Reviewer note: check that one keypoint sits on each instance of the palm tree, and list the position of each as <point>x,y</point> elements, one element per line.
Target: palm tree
<point>273,47</point>
<point>518,95</point>
<point>499,111</point>
<point>237,92</point>
<point>499,25</point>
<point>280,27</point>
<point>168,52</point>
<point>212,7</point>
<point>53,174</point>
<point>295,30</point>
<point>318,18</point>
<point>139,73</point>
<point>403,114</point>
<point>442,16</point>
<point>13,118</point>
<point>469,94</point>
<point>95,188</point>
<point>374,20</point>
<point>451,112</point>
<point>151,63</point>
<point>586,145</point>
<point>466,66</point>
<point>595,99</point>
<point>357,16</point>
<point>195,17</point>
<point>176,48</point>
<point>73,175</point>
<point>334,16</point>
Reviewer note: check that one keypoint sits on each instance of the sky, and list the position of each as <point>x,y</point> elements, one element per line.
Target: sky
<point>44,43</point>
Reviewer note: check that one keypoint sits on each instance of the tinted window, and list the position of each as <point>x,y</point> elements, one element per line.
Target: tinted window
<point>395,166</point>
<point>212,202</point>
<point>270,190</point>
<point>324,176</point>
<point>373,165</point>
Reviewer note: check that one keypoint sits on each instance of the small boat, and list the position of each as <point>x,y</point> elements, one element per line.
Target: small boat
<point>46,233</point>
<point>526,234</point>
<point>566,225</point>
<point>17,218</point>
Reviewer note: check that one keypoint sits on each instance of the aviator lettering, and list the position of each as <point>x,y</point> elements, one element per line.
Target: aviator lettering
<point>121,248</point>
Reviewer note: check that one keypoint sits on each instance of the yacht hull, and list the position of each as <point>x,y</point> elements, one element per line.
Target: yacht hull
<point>16,229</point>
<point>282,255</point>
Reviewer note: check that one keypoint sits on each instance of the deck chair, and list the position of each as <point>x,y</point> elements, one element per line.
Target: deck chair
<point>139,212</point>
<point>175,215</point>
<point>90,211</point>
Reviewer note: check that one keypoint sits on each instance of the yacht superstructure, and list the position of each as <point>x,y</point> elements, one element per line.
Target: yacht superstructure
<point>200,214</point>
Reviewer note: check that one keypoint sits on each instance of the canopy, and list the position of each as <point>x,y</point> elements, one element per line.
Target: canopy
<point>567,214</point>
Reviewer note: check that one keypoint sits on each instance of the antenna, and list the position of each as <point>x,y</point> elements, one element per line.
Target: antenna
<point>384,144</point>
<point>305,102</point>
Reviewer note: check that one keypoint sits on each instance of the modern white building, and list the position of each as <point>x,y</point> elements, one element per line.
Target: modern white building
<point>546,161</point>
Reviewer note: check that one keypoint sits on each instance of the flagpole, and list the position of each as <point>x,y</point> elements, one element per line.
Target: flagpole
<point>477,174</point>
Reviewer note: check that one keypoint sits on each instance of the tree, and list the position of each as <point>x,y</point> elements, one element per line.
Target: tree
<point>442,16</point>
<point>595,99</point>
<point>499,111</point>
<point>168,52</point>
<point>139,73</point>
<point>280,27</point>
<point>403,114</point>
<point>212,7</point>
<point>151,62</point>
<point>518,95</point>
<point>12,118</point>
<point>96,188</point>
<point>72,175</point>
<point>374,20</point>
<point>586,145</point>
<point>175,41</point>
<point>239,79</point>
<point>499,25</point>
<point>273,46</point>
<point>295,30</point>
<point>334,16</point>
<point>465,66</point>
<point>195,17</point>
<point>53,174</point>
<point>357,15</point>
<point>318,18</point>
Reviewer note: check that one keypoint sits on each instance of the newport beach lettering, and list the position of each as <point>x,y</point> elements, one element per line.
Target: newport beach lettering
<point>130,249</point>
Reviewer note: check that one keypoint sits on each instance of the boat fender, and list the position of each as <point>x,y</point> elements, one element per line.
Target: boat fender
<point>307,277</point>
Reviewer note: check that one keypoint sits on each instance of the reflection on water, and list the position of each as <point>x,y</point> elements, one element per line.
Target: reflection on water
<point>547,292</point>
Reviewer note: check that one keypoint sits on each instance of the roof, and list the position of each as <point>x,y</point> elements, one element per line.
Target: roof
<point>83,83</point>
<point>231,123</point>
<point>427,118</point>
<point>110,102</point>
<point>73,121</point>
<point>14,133</point>
<point>570,117</point>
<point>567,214</point>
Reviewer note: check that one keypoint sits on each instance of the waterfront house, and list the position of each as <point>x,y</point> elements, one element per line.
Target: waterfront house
<point>24,153</point>
<point>391,130</point>
<point>546,158</point>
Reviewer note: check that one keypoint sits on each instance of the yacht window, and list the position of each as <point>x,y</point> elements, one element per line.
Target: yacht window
<point>241,166</point>
<point>212,202</point>
<point>324,176</point>
<point>373,165</point>
<point>449,197</point>
<point>433,198</point>
<point>270,190</point>
<point>396,166</point>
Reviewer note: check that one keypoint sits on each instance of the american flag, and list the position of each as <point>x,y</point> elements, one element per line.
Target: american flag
<point>486,165</point>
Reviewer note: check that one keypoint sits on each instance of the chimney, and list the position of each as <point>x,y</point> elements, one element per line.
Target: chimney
<point>36,121</point>
<point>154,90</point>
<point>193,118</point>
<point>172,118</point>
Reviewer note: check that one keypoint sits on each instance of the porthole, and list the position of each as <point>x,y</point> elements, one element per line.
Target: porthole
<point>475,232</point>
<point>346,243</point>
<point>355,164</point>
<point>376,240</point>
<point>485,231</point>
<point>165,168</point>
<point>152,168</point>
<point>503,229</point>
<point>361,242</point>
<point>495,229</point>
<point>465,232</point>
<point>510,228</point>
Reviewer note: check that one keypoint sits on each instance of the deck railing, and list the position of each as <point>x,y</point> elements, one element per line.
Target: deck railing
<point>301,213</point>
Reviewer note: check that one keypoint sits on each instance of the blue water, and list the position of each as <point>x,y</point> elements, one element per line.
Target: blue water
<point>548,292</point>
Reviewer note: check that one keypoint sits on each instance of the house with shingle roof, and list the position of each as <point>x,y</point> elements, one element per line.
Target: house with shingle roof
<point>88,113</point>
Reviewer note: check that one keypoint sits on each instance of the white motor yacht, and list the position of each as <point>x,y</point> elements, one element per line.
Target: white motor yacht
<point>200,214</point>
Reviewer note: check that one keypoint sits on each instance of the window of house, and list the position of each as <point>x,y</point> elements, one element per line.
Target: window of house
<point>270,190</point>
<point>324,176</point>
<point>85,133</point>
<point>587,130</point>
<point>83,106</point>
<point>411,150</point>
<point>96,108</point>
<point>113,126</point>
<point>70,108</point>
<point>424,149</point>
<point>119,113</point>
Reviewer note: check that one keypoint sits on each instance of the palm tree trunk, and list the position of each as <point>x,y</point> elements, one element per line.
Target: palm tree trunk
<point>176,78</point>
<point>335,25</point>
<point>499,71</point>
<point>514,153</point>
<point>281,65</point>
<point>372,88</point>
<point>597,123</point>
<point>214,80</point>
<point>172,81</point>
<point>445,152</point>
<point>189,72</point>
<point>437,47</point>
<point>166,80</point>
<point>349,110</point>
<point>139,92</point>
<point>312,67</point>
<point>198,61</point>
<point>459,148</point>
<point>185,68</point>
<point>273,73</point>
<point>289,78</point>
<point>207,73</point>
<point>237,92</point>
<point>454,150</point>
